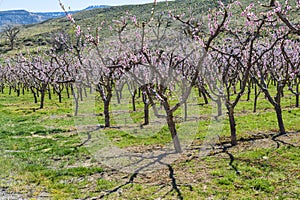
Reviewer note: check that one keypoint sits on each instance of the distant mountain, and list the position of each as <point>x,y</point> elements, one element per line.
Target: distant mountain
<point>23,17</point>
<point>19,17</point>
<point>95,6</point>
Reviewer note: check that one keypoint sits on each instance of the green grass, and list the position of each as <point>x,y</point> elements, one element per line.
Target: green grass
<point>40,153</point>
<point>212,177</point>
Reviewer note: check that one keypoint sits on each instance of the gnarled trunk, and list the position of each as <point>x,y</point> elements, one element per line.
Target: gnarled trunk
<point>172,129</point>
<point>232,125</point>
<point>280,119</point>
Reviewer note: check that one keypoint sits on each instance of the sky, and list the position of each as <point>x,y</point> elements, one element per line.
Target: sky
<point>53,5</point>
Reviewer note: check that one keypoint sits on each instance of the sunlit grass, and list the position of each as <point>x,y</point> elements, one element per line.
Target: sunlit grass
<point>40,147</point>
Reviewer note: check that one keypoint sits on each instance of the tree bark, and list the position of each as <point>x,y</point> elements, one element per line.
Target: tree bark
<point>249,92</point>
<point>185,111</point>
<point>34,95</point>
<point>67,90</point>
<point>118,96</point>
<point>219,104</point>
<point>146,109</point>
<point>59,97</point>
<point>75,99</point>
<point>49,93</point>
<point>172,128</point>
<point>256,95</point>
<point>80,93</point>
<point>42,98</point>
<point>133,101</point>
<point>106,113</point>
<point>280,119</point>
<point>232,125</point>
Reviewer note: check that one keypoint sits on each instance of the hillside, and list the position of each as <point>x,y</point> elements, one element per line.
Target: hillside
<point>39,34</point>
<point>41,27</point>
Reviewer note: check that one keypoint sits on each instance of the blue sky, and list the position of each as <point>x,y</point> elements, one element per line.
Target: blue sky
<point>53,5</point>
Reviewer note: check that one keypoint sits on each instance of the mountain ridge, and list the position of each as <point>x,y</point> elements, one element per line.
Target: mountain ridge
<point>24,17</point>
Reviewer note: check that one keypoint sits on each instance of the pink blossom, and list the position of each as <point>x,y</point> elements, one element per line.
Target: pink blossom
<point>70,17</point>
<point>238,3</point>
<point>133,19</point>
<point>78,30</point>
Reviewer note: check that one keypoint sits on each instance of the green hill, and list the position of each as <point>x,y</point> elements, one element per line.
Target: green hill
<point>39,35</point>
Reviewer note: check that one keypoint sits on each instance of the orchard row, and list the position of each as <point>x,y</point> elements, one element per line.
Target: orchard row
<point>224,58</point>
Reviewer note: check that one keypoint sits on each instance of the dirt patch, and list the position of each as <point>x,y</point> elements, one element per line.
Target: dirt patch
<point>5,195</point>
<point>200,171</point>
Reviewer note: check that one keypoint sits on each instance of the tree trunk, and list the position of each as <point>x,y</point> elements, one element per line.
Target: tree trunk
<point>67,90</point>
<point>256,95</point>
<point>185,111</point>
<point>146,109</point>
<point>118,96</point>
<point>255,103</point>
<point>219,103</point>
<point>172,128</point>
<point>280,119</point>
<point>42,98</point>
<point>18,92</point>
<point>205,97</point>
<point>12,44</point>
<point>133,101</point>
<point>106,113</point>
<point>297,95</point>
<point>146,114</point>
<point>49,93</point>
<point>249,92</point>
<point>80,93</point>
<point>75,100</point>
<point>232,125</point>
<point>85,92</point>
<point>2,88</point>
<point>59,97</point>
<point>34,95</point>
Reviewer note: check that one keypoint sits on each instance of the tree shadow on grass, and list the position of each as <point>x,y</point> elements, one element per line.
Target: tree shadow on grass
<point>142,162</point>
<point>157,159</point>
<point>278,141</point>
<point>225,146</point>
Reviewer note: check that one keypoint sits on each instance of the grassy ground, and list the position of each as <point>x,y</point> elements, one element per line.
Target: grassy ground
<point>42,157</point>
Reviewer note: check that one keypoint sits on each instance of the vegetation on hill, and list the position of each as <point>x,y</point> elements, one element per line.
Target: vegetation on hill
<point>39,35</point>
